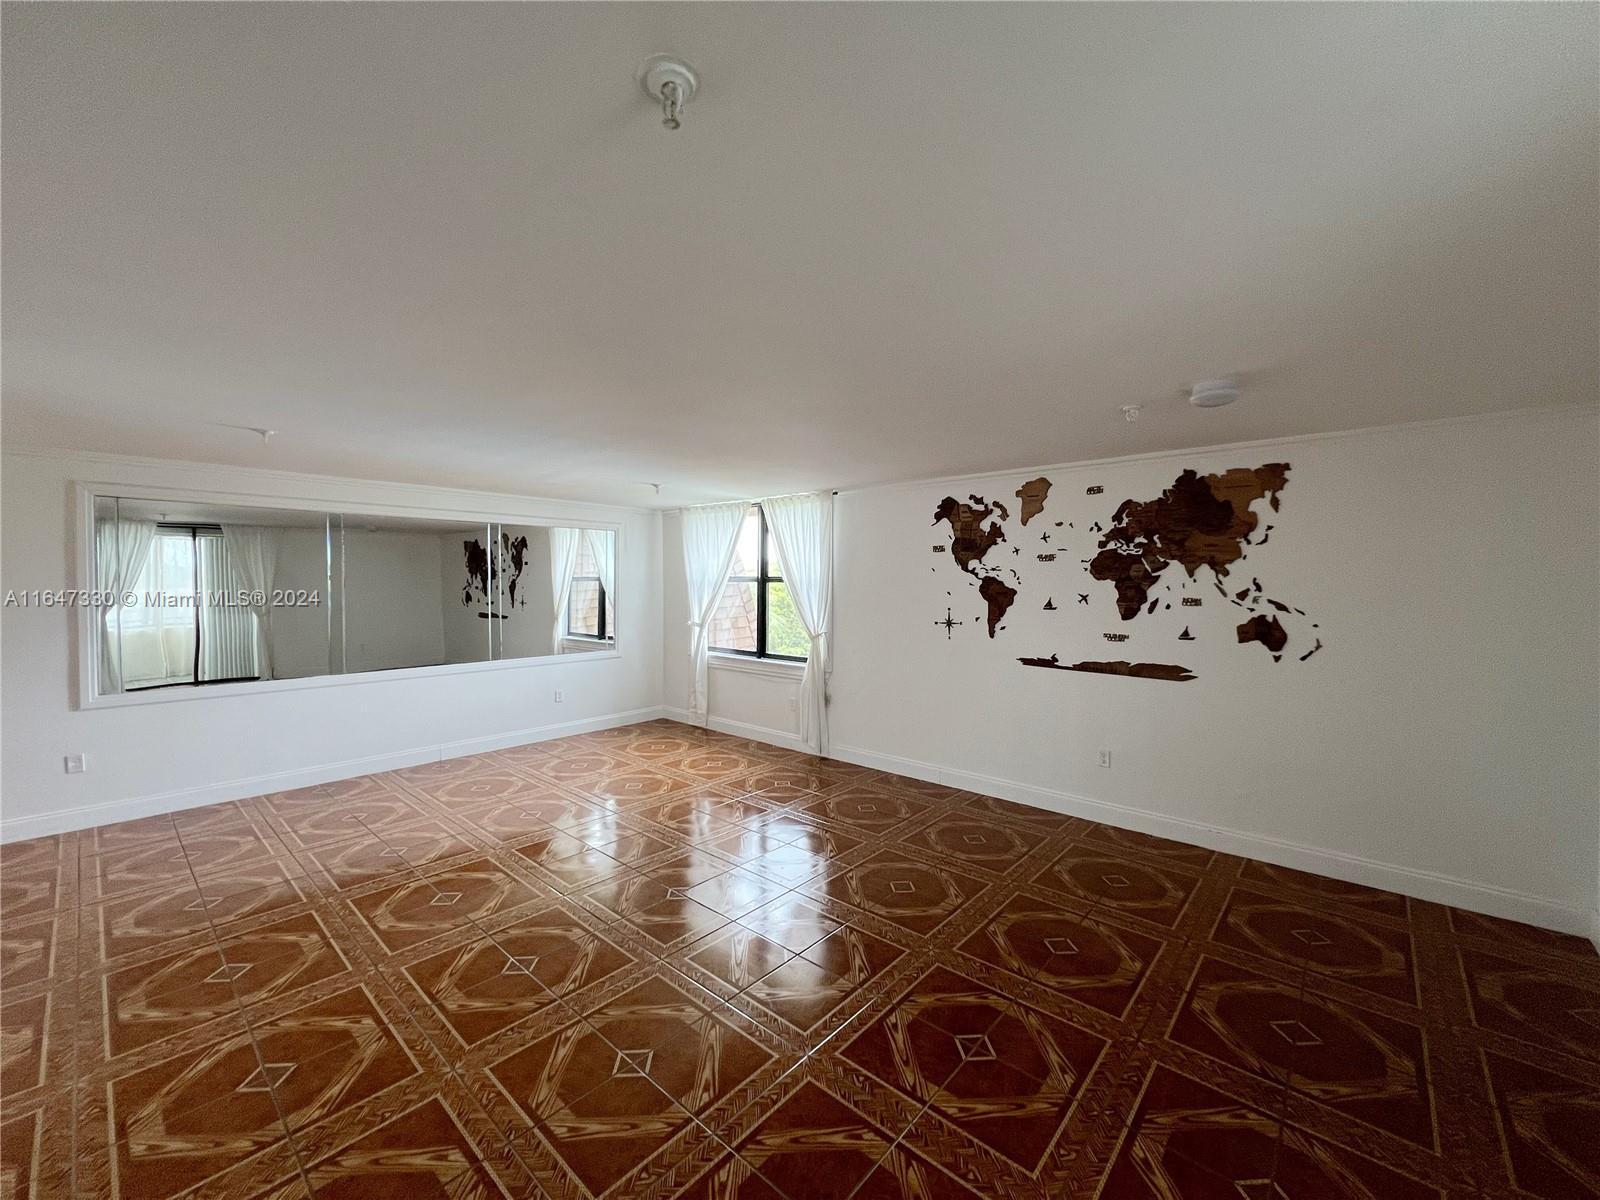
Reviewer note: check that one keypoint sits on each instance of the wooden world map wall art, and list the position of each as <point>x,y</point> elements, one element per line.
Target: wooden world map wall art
<point>1145,550</point>
<point>511,557</point>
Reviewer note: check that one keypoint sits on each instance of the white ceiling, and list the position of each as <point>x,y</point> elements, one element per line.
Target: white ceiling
<point>452,244</point>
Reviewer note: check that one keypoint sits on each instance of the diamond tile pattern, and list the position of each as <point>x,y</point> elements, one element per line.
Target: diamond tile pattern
<point>656,961</point>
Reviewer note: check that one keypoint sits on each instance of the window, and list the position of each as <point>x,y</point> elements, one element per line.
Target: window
<point>588,607</point>
<point>756,616</point>
<point>181,630</point>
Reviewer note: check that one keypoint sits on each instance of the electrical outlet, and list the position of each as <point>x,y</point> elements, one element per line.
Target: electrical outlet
<point>560,696</point>
<point>75,764</point>
<point>1105,758</point>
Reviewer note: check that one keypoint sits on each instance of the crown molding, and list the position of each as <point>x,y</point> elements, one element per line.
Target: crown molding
<point>300,478</point>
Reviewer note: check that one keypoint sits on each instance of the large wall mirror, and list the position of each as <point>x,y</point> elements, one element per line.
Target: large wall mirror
<point>194,594</point>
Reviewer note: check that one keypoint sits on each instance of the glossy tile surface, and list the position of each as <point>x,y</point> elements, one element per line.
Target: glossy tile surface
<point>656,962</point>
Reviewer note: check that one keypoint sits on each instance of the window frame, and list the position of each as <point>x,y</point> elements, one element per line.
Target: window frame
<point>194,533</point>
<point>763,578</point>
<point>600,620</point>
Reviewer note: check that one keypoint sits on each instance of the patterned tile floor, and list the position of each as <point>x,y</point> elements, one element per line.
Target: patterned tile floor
<point>658,962</point>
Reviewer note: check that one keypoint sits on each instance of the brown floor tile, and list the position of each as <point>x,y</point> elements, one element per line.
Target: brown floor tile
<point>130,924</point>
<point>19,1155</point>
<point>421,1153</point>
<point>1092,961</point>
<point>1535,1003</point>
<point>182,1121</point>
<point>24,1037</point>
<point>161,865</point>
<point>659,961</point>
<point>813,1146</point>
<point>29,891</point>
<point>973,839</point>
<point>1360,1062</point>
<point>781,785</point>
<point>820,980</point>
<point>1133,844</point>
<point>863,808</point>
<point>661,746</point>
<point>739,956</point>
<point>1155,893</point>
<point>315,821</point>
<point>1037,819</point>
<point>1336,943</point>
<point>143,833</point>
<point>459,783</point>
<point>1547,1123</point>
<point>934,793</point>
<point>593,1106</point>
<point>29,949</point>
<point>792,921</point>
<point>1386,904</point>
<point>714,764</point>
<point>913,894</point>
<point>1515,936</point>
<point>1189,1140</point>
<point>579,766</point>
<point>512,821</point>
<point>167,995</point>
<point>393,853</point>
<point>635,786</point>
<point>413,911</point>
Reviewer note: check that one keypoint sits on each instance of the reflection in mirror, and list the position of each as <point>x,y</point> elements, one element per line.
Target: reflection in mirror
<point>188,590</point>
<point>211,594</point>
<point>555,590</point>
<point>402,602</point>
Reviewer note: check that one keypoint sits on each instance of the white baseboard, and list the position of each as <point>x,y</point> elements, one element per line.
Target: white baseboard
<point>756,733</point>
<point>1424,885</point>
<point>66,820</point>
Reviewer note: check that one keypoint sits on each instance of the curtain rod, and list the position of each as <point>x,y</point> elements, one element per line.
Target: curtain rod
<point>753,500</point>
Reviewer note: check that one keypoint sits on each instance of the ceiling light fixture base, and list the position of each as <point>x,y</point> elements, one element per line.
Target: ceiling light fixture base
<point>1213,393</point>
<point>671,83</point>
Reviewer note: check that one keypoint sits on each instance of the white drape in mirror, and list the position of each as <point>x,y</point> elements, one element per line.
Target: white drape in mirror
<point>563,565</point>
<point>253,558</point>
<point>121,550</point>
<point>710,532</point>
<point>157,632</point>
<point>802,526</point>
<point>229,642</point>
<point>603,545</point>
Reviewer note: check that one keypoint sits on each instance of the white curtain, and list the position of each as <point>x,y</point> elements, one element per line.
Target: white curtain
<point>710,534</point>
<point>603,545</point>
<point>802,526</point>
<point>157,633</point>
<point>121,552</point>
<point>563,565</point>
<point>253,558</point>
<point>228,638</point>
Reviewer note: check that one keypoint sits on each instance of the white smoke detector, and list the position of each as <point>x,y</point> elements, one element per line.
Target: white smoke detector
<point>1214,393</point>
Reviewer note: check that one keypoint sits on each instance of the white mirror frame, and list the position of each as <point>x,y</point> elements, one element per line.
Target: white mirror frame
<point>88,630</point>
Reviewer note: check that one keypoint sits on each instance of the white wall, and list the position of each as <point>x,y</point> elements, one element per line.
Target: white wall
<point>299,634</point>
<point>529,628</point>
<point>212,745</point>
<point>393,593</point>
<point>1443,743</point>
